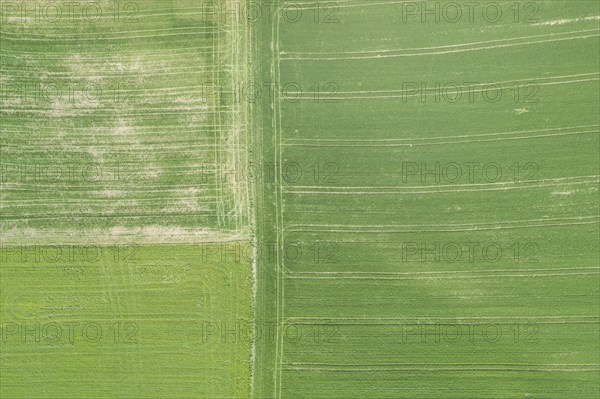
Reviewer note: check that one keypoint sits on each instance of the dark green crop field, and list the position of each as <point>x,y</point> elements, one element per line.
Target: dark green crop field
<point>437,202</point>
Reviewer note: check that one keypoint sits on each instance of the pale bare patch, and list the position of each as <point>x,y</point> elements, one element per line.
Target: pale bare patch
<point>563,192</point>
<point>110,193</point>
<point>135,64</point>
<point>68,105</point>
<point>8,103</point>
<point>126,134</point>
<point>564,21</point>
<point>188,100</point>
<point>60,107</point>
<point>83,68</point>
<point>105,236</point>
<point>194,119</point>
<point>17,20</point>
<point>188,200</point>
<point>152,172</point>
<point>94,152</point>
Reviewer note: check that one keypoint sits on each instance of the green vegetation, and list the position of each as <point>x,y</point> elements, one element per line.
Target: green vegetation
<point>441,180</point>
<point>123,321</point>
<point>347,199</point>
<point>122,127</point>
<point>119,144</point>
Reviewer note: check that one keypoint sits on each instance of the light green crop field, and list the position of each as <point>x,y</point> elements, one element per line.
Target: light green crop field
<point>124,321</point>
<point>301,199</point>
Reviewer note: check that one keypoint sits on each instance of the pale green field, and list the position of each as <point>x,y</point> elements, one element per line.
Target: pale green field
<point>124,127</point>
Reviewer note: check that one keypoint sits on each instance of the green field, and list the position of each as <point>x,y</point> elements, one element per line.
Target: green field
<point>456,232</point>
<point>123,321</point>
<point>120,146</point>
<point>348,199</point>
<point>123,127</point>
